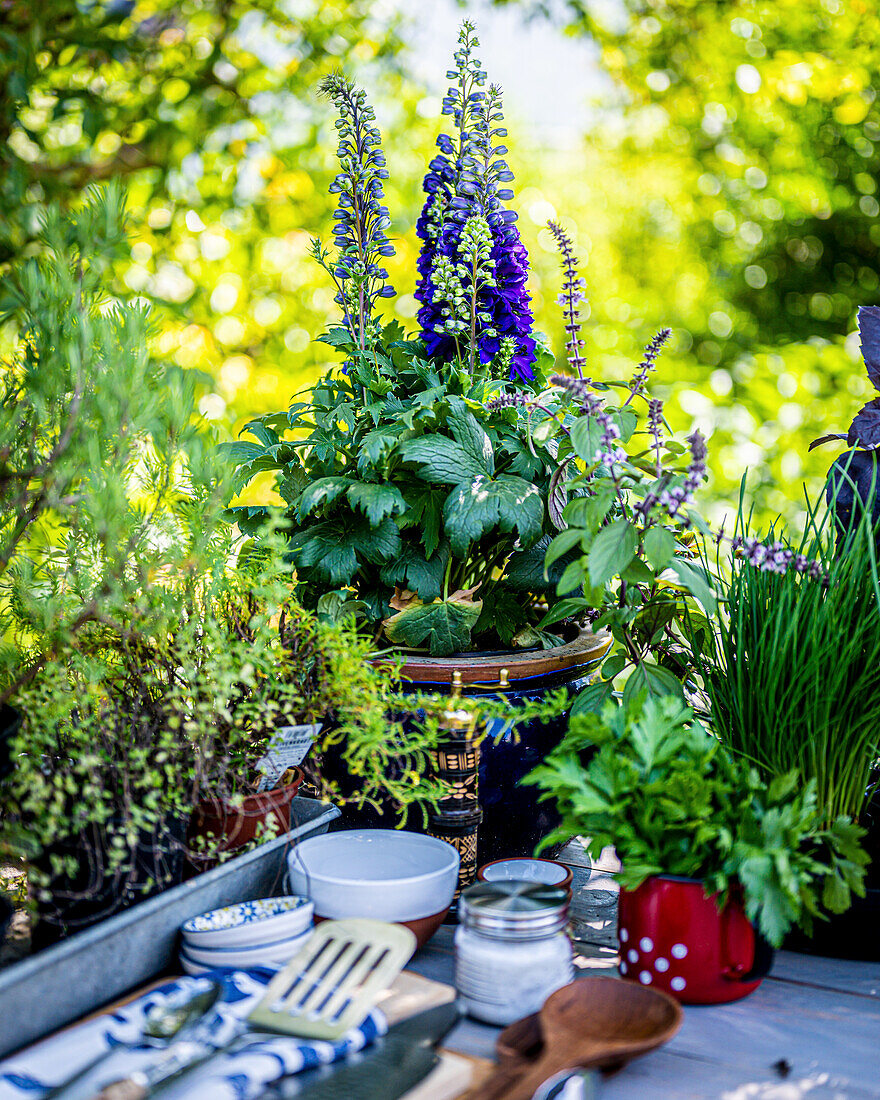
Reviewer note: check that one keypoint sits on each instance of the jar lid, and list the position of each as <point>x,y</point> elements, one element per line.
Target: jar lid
<point>511,909</point>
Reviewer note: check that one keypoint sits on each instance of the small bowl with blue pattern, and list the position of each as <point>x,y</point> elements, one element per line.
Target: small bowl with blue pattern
<point>250,923</point>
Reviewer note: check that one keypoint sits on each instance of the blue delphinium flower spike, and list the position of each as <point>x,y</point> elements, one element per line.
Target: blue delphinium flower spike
<point>361,217</point>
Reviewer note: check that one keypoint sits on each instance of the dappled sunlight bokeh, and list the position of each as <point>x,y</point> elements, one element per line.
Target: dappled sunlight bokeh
<point>716,169</point>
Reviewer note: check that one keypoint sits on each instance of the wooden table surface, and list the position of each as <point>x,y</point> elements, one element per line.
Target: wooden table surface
<point>811,1029</point>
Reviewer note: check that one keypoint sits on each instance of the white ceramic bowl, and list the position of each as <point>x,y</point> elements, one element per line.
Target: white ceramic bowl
<point>249,923</point>
<point>190,967</point>
<point>272,954</point>
<point>387,874</point>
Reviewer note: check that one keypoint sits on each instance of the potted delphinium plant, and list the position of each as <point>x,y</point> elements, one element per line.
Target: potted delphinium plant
<point>716,863</point>
<point>791,672</point>
<point>415,502</point>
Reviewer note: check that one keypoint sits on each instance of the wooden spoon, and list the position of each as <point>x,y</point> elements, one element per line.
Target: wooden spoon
<point>592,1022</point>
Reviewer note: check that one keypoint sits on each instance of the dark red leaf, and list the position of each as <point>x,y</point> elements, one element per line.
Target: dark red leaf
<point>865,429</point>
<point>869,331</point>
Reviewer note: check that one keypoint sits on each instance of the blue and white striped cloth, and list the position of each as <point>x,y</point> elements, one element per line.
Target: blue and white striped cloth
<point>241,1074</point>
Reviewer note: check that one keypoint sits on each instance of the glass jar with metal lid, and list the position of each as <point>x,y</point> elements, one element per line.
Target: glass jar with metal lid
<point>511,950</point>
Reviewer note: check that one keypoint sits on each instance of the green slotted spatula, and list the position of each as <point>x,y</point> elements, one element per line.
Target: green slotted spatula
<point>331,984</point>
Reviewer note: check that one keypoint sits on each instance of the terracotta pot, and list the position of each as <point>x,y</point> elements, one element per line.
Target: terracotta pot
<point>238,825</point>
<point>675,939</point>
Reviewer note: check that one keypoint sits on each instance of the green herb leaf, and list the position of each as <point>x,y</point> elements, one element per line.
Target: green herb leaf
<point>593,698</point>
<point>586,438</point>
<point>613,549</point>
<point>660,546</point>
<point>694,579</point>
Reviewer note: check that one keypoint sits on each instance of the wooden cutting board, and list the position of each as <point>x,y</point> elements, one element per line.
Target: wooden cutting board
<point>455,1075</point>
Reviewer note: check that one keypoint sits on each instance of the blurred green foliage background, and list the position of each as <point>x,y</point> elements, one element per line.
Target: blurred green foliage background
<point>726,185</point>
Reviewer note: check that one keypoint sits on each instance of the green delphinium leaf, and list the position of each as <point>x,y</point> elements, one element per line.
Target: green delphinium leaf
<point>375,446</point>
<point>441,460</point>
<point>412,570</point>
<point>263,431</point>
<point>250,518</point>
<point>471,436</point>
<point>242,450</point>
<point>323,491</point>
<point>445,625</point>
<point>525,570</point>
<point>338,337</point>
<point>476,508</point>
<point>334,548</point>
<point>425,513</point>
<point>332,559</point>
<point>502,614</point>
<point>376,501</point>
<point>613,549</point>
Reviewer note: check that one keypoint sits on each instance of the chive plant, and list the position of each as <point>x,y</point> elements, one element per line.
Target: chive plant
<point>794,681</point>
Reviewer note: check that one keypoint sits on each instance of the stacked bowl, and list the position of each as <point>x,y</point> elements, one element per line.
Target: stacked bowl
<point>267,932</point>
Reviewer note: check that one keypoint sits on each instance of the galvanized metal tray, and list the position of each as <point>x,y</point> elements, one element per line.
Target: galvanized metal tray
<point>96,966</point>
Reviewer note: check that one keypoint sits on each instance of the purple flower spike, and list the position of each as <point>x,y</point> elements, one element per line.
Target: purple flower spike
<point>571,297</point>
<point>462,183</point>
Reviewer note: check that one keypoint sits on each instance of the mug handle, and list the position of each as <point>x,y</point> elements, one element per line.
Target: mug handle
<point>762,959</point>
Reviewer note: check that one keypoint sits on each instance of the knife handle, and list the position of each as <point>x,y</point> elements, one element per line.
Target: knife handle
<point>142,1083</point>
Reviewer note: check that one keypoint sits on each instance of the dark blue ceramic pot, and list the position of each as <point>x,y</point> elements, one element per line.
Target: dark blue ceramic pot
<point>10,723</point>
<point>513,820</point>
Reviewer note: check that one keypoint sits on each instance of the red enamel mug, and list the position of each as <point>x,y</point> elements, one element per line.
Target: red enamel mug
<point>674,938</point>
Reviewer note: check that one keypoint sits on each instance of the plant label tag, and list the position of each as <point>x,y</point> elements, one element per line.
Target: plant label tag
<point>287,748</point>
